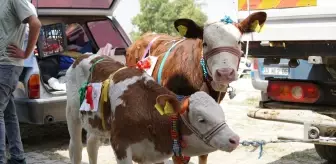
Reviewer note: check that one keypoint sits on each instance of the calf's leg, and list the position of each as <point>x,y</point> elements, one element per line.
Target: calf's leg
<point>93,144</point>
<point>126,159</point>
<point>122,152</point>
<point>202,159</point>
<point>75,132</point>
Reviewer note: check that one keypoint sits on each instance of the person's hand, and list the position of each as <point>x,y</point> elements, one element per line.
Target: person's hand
<point>15,52</point>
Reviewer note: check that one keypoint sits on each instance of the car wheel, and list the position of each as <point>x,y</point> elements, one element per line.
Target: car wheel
<point>326,152</point>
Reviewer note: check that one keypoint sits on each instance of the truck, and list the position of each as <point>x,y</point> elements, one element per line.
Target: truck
<point>296,32</point>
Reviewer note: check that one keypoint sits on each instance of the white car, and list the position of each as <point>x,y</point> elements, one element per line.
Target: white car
<point>38,102</point>
<point>244,67</point>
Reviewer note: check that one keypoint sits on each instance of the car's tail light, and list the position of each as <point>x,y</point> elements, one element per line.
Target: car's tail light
<point>34,86</point>
<point>255,64</point>
<point>293,91</point>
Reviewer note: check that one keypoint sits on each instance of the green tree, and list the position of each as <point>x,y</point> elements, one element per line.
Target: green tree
<point>159,15</point>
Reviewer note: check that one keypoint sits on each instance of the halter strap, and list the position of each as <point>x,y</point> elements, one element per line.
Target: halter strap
<point>112,75</point>
<point>93,66</point>
<point>207,136</point>
<point>165,58</point>
<point>146,53</point>
<point>231,50</point>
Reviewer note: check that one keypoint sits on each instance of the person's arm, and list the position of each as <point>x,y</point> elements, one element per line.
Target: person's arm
<point>34,31</point>
<point>26,15</point>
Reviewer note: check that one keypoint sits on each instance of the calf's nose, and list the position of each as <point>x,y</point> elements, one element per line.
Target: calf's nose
<point>234,141</point>
<point>225,74</point>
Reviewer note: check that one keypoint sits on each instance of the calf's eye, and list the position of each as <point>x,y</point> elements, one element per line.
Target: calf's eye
<point>201,120</point>
<point>204,44</point>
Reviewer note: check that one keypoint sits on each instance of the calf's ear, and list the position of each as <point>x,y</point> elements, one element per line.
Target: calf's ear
<point>164,101</point>
<point>253,23</point>
<point>188,28</point>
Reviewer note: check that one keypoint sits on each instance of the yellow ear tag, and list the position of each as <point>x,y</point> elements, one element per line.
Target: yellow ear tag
<point>182,30</point>
<point>255,26</point>
<point>262,27</point>
<point>168,109</point>
<point>159,108</point>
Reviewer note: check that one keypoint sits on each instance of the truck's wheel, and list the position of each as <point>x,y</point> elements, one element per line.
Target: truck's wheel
<point>326,152</point>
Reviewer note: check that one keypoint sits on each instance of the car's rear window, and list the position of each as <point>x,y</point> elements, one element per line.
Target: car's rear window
<point>93,4</point>
<point>104,32</point>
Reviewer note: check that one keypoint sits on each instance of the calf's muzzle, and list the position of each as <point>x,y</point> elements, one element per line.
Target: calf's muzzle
<point>234,142</point>
<point>225,74</point>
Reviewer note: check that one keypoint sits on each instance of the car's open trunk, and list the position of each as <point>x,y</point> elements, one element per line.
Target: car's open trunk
<point>83,35</point>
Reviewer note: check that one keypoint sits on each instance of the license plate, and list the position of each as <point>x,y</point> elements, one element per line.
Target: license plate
<point>275,71</point>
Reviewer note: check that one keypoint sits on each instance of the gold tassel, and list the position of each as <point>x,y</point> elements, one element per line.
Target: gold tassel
<point>103,99</point>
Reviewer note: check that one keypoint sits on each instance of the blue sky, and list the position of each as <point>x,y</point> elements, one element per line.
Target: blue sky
<point>215,9</point>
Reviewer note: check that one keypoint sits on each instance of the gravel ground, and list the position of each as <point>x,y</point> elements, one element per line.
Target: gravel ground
<point>48,144</point>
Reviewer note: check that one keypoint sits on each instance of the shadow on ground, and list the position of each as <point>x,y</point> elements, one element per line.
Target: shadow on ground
<point>308,156</point>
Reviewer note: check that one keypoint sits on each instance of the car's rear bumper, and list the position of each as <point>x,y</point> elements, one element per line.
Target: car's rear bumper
<point>258,83</point>
<point>41,111</point>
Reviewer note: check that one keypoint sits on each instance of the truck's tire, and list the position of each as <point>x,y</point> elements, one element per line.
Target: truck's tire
<point>326,152</point>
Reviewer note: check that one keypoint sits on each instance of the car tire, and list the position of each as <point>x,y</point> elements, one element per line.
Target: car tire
<point>326,152</point>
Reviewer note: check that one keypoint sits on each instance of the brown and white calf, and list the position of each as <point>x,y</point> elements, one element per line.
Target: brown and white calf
<point>218,43</point>
<point>137,131</point>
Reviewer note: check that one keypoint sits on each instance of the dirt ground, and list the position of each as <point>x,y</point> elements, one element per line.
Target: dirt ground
<point>52,149</point>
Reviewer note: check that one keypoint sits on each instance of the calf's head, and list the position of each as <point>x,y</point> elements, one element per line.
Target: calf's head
<point>205,118</point>
<point>221,45</point>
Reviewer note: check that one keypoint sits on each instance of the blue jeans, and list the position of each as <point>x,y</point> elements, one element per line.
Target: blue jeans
<point>9,124</point>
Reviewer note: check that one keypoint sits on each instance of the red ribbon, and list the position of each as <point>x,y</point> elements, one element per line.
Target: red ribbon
<point>144,64</point>
<point>186,158</point>
<point>89,98</point>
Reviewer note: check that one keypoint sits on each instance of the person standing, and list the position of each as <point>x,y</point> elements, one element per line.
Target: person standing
<point>31,59</point>
<point>14,15</point>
